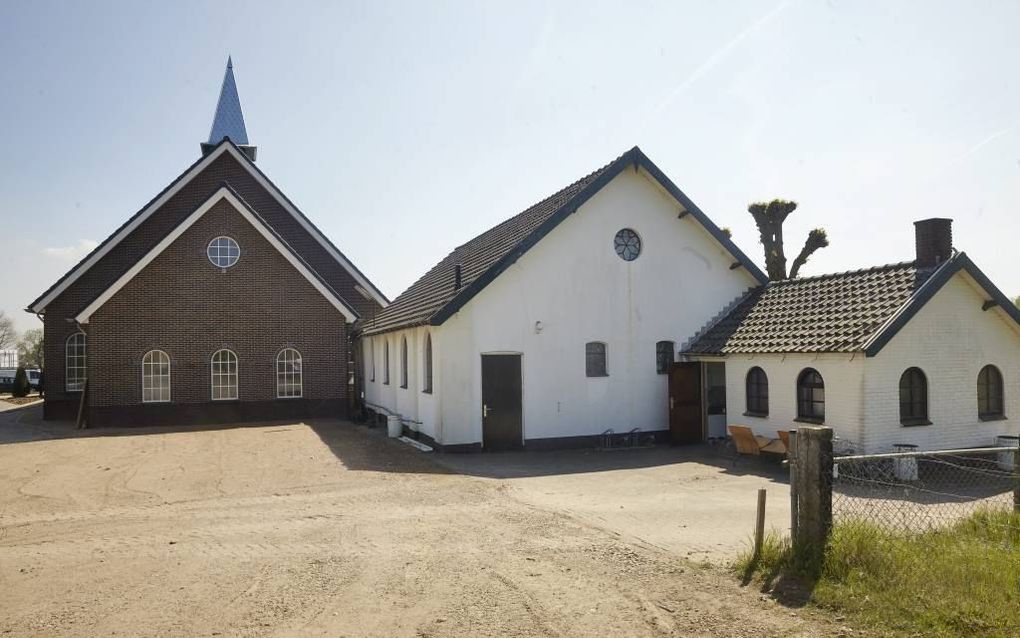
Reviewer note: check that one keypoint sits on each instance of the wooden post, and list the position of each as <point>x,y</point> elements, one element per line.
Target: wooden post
<point>81,406</point>
<point>1016,479</point>
<point>792,458</point>
<point>814,490</point>
<point>759,528</point>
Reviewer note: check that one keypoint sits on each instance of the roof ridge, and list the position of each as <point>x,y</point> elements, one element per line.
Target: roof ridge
<point>844,273</point>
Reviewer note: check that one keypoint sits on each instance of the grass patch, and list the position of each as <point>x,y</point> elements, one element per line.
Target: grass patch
<point>960,581</point>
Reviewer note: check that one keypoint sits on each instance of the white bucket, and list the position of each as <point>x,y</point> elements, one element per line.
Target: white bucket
<point>393,426</point>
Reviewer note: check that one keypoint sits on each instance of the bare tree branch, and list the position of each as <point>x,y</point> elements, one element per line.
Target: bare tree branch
<point>816,239</point>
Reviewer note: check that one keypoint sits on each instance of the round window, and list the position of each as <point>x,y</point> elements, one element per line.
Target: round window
<point>223,252</point>
<point>627,244</point>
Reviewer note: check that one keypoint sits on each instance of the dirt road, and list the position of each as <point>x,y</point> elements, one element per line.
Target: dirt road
<point>320,529</point>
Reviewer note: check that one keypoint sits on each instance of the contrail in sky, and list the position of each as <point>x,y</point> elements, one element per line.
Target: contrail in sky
<point>720,54</point>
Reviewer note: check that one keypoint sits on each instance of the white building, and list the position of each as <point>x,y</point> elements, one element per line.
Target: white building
<point>565,321</point>
<point>559,323</point>
<point>923,353</point>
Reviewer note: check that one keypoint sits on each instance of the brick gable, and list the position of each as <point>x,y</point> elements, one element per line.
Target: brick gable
<point>182,304</point>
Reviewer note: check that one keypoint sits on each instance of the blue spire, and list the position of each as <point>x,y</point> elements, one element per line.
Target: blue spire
<point>228,122</point>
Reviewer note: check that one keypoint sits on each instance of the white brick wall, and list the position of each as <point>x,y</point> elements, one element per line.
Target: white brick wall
<point>950,339</point>
<point>844,381</point>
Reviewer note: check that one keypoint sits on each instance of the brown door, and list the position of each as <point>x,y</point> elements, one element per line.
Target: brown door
<point>685,403</point>
<point>502,420</point>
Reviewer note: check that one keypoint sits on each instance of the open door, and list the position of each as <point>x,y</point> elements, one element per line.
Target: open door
<point>685,413</point>
<point>502,417</point>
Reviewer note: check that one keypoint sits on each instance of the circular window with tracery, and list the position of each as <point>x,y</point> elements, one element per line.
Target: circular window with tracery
<point>223,252</point>
<point>627,244</point>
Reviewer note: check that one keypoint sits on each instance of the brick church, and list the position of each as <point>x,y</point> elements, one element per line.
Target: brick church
<point>218,301</point>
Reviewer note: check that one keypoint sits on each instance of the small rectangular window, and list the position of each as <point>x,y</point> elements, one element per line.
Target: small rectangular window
<point>595,359</point>
<point>664,356</point>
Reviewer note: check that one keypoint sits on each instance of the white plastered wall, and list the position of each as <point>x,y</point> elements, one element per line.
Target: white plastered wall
<point>418,409</point>
<point>577,289</point>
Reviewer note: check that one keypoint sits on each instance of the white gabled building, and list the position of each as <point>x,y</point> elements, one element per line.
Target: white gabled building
<point>923,353</point>
<point>561,322</point>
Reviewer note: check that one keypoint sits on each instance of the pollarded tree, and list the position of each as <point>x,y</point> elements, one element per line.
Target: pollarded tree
<point>769,217</point>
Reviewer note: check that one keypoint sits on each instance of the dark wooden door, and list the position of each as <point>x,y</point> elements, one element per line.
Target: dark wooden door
<point>502,419</point>
<point>685,414</point>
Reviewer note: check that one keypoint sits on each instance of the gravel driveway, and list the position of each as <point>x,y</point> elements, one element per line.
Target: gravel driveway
<point>324,528</point>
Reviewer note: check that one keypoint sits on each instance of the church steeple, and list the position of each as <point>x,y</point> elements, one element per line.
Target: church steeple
<point>228,121</point>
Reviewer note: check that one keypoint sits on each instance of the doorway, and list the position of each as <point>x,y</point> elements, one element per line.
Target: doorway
<point>502,414</point>
<point>686,424</point>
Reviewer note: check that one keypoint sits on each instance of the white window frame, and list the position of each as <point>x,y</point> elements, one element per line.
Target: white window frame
<point>386,362</point>
<point>147,385</point>
<point>299,374</point>
<point>71,362</point>
<point>215,376</point>
<point>220,253</point>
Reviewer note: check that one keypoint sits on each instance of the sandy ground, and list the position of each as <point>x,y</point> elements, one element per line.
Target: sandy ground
<point>699,501</point>
<point>323,528</point>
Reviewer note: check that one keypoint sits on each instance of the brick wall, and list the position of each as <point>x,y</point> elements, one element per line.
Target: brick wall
<point>184,305</point>
<point>950,339</point>
<point>843,375</point>
<point>57,325</point>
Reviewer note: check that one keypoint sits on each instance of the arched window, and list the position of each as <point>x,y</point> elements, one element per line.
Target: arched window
<point>427,371</point>
<point>74,363</point>
<point>223,368</point>
<point>595,359</point>
<point>914,398</point>
<point>386,362</point>
<point>371,359</point>
<point>403,362</point>
<point>155,377</point>
<point>989,392</point>
<point>288,374</point>
<point>664,356</point>
<point>810,396</point>
<point>757,392</point>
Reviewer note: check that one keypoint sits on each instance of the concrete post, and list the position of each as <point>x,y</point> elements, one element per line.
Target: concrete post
<point>814,490</point>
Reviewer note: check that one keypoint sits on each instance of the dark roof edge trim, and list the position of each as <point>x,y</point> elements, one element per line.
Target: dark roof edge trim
<point>957,263</point>
<point>633,157</point>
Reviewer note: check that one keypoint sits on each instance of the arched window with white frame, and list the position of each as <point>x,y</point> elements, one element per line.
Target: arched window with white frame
<point>156,377</point>
<point>386,362</point>
<point>289,384</point>
<point>74,363</point>
<point>223,369</point>
<point>371,359</point>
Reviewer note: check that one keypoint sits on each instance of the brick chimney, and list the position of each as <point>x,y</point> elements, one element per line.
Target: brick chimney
<point>933,239</point>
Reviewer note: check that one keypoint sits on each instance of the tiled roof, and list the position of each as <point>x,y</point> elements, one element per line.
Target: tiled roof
<point>830,313</point>
<point>416,305</point>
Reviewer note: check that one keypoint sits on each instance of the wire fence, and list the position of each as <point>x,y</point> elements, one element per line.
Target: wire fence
<point>918,492</point>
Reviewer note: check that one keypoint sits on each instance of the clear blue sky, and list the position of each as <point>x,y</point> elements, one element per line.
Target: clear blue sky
<point>403,129</point>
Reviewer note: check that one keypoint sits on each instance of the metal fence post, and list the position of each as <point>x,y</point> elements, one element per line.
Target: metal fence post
<point>814,490</point>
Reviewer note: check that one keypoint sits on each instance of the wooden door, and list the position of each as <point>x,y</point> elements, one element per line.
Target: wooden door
<point>502,414</point>
<point>685,414</point>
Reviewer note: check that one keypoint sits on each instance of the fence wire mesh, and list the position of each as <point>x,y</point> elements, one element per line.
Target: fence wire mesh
<point>913,493</point>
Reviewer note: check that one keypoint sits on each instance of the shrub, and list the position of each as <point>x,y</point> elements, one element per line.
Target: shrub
<point>21,384</point>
